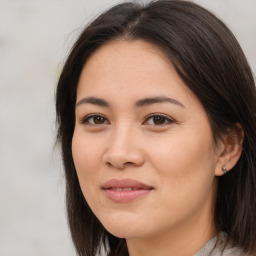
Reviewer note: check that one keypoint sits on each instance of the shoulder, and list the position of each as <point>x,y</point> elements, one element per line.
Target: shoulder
<point>221,246</point>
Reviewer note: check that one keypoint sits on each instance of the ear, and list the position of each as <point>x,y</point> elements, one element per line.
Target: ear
<point>230,149</point>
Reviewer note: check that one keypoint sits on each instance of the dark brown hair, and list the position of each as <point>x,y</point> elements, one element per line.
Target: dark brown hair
<point>209,59</point>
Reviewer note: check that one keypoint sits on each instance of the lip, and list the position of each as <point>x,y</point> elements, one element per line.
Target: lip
<point>125,190</point>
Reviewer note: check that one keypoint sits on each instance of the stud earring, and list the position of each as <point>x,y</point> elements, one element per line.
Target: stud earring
<point>224,169</point>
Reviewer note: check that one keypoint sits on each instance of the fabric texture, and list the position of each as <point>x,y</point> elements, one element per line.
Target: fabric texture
<point>220,246</point>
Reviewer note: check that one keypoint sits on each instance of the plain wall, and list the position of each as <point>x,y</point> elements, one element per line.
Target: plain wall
<point>35,36</point>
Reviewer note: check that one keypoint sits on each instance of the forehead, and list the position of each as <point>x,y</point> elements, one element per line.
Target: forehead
<point>133,69</point>
<point>120,58</point>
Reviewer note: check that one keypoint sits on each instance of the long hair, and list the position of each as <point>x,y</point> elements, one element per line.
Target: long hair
<point>210,61</point>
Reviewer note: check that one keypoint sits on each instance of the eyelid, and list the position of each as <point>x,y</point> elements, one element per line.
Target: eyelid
<point>85,119</point>
<point>169,119</point>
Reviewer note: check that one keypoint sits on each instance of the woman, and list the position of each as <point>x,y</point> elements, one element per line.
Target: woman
<point>156,114</point>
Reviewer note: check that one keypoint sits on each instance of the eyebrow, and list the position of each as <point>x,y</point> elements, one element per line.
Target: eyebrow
<point>138,104</point>
<point>94,101</point>
<point>159,99</point>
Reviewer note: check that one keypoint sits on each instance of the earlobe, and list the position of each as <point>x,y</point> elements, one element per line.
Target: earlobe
<point>224,169</point>
<point>231,150</point>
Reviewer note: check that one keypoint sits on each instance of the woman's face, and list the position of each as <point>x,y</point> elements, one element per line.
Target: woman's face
<point>142,144</point>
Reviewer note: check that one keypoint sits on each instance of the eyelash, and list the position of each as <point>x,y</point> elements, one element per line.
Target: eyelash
<point>167,120</point>
<point>86,119</point>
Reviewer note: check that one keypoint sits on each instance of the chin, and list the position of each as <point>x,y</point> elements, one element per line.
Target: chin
<point>126,232</point>
<point>118,232</point>
<point>124,227</point>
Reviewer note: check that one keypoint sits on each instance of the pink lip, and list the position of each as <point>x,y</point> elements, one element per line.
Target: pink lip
<point>125,190</point>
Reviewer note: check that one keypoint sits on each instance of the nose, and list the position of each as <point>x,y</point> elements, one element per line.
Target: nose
<point>123,149</point>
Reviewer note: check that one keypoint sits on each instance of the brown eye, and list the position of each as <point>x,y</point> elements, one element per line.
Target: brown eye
<point>157,119</point>
<point>98,120</point>
<point>95,120</point>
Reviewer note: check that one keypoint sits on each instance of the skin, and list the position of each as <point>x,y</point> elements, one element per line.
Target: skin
<point>176,155</point>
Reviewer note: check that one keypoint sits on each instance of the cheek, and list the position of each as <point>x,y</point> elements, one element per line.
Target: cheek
<point>85,150</point>
<point>179,153</point>
<point>185,165</point>
<point>86,158</point>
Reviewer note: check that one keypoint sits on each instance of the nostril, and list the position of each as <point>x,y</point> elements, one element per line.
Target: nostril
<point>128,163</point>
<point>119,165</point>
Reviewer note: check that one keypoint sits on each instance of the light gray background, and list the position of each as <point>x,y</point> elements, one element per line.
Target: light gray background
<point>35,36</point>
